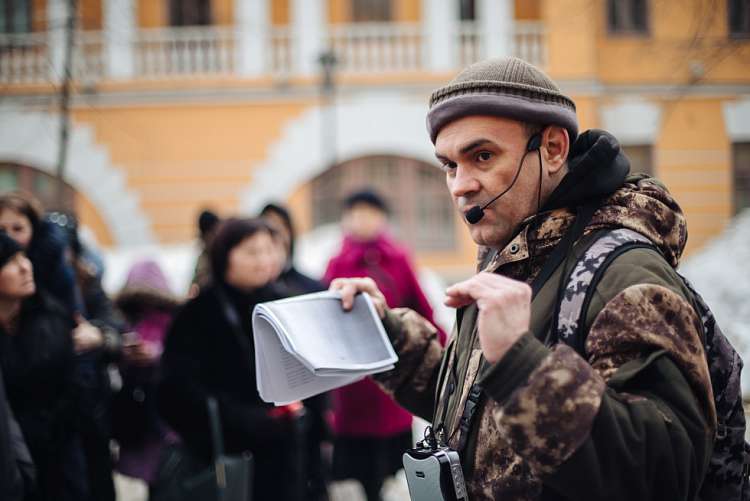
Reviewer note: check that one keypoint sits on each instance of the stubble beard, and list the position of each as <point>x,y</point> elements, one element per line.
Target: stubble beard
<point>494,235</point>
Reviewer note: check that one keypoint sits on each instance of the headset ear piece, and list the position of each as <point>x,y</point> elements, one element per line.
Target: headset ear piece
<point>535,142</point>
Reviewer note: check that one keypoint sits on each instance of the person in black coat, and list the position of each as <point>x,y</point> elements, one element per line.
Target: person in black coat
<point>291,282</point>
<point>98,344</point>
<point>17,472</point>
<point>37,361</point>
<point>209,352</point>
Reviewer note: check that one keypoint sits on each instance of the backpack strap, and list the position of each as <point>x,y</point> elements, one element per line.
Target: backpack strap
<point>729,467</point>
<point>569,323</point>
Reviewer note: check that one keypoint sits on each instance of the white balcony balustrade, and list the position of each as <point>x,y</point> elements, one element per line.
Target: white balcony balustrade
<point>282,49</point>
<point>529,42</point>
<point>24,59</point>
<point>184,52</point>
<point>212,51</point>
<point>88,58</point>
<point>469,43</point>
<point>376,47</point>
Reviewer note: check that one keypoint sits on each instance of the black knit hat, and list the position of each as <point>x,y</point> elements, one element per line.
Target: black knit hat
<point>207,221</point>
<point>368,197</point>
<point>8,248</point>
<point>507,87</point>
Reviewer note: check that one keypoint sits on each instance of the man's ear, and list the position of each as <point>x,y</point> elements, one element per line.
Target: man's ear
<point>555,148</point>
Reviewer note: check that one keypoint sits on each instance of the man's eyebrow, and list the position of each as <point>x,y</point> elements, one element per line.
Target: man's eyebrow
<point>475,144</point>
<point>469,147</point>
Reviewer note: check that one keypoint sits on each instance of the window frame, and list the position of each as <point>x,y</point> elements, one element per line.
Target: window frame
<point>176,10</point>
<point>356,17</point>
<point>614,32</point>
<point>8,7</point>
<point>738,35</point>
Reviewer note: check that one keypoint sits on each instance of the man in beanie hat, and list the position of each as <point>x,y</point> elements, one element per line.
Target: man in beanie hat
<point>631,414</point>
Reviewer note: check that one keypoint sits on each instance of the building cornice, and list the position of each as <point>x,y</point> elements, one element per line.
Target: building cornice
<point>306,92</point>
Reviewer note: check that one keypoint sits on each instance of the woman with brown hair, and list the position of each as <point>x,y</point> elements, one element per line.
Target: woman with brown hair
<point>37,361</point>
<point>210,352</point>
<point>45,244</point>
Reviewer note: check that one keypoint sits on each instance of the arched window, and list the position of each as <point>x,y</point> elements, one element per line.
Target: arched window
<point>22,177</point>
<point>422,213</point>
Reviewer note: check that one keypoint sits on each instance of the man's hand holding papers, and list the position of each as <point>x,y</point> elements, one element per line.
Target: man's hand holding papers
<point>309,344</point>
<point>348,288</point>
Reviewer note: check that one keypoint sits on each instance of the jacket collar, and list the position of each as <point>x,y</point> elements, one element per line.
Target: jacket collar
<point>538,234</point>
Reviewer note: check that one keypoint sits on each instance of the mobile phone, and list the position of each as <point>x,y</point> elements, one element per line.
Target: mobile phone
<point>130,339</point>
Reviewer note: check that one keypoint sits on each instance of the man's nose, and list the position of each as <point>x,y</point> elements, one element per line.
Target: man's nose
<point>463,183</point>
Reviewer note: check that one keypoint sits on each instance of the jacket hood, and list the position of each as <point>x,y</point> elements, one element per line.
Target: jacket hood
<point>47,248</point>
<point>598,170</point>
<point>643,204</point>
<point>146,288</point>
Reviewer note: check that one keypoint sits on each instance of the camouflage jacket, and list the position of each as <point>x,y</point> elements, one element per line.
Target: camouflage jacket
<point>636,420</point>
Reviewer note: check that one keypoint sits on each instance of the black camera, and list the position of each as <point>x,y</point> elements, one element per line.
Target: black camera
<point>434,473</point>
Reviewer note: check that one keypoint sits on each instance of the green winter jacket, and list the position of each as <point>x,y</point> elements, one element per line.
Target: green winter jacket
<point>635,420</point>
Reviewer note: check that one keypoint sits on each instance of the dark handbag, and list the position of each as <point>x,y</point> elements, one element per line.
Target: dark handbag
<point>183,476</point>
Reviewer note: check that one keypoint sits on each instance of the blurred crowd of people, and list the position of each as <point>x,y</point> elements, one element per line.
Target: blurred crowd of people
<point>91,384</point>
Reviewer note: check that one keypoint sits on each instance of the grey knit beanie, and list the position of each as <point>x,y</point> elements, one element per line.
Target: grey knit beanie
<point>506,87</point>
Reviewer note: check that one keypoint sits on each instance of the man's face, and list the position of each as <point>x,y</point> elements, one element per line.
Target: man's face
<point>480,155</point>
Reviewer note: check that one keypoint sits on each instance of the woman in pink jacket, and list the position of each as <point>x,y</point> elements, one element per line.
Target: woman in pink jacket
<point>148,305</point>
<point>372,431</point>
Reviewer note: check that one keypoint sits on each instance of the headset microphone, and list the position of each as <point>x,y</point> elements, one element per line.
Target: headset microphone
<point>476,213</point>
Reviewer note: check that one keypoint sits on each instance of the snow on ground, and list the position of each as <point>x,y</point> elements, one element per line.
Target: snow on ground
<point>720,272</point>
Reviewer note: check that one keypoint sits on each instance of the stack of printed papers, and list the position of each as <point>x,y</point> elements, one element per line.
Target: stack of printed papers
<point>308,345</point>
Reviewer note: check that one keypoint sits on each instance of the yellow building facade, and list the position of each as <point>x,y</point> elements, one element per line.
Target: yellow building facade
<point>180,105</point>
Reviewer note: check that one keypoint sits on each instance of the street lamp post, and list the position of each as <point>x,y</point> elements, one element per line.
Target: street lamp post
<point>328,61</point>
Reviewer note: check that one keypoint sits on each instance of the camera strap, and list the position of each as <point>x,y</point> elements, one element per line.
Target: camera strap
<point>470,409</point>
<point>584,214</point>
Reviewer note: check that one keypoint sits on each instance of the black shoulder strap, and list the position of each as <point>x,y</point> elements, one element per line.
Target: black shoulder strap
<point>575,298</point>
<point>214,422</point>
